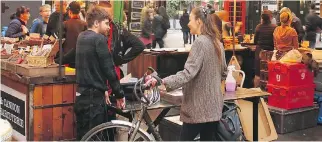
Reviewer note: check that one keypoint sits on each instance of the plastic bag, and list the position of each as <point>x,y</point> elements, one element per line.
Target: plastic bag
<point>293,56</point>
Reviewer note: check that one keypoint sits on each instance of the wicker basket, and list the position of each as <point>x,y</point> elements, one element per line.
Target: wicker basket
<point>40,61</point>
<point>44,61</point>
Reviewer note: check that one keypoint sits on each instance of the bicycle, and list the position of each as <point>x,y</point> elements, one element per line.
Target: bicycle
<point>109,131</point>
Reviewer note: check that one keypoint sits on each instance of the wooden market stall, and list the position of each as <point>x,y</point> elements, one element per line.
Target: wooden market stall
<point>38,108</point>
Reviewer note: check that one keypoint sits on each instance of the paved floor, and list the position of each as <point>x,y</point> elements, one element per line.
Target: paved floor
<point>311,134</point>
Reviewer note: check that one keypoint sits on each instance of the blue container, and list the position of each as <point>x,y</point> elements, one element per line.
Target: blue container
<point>318,99</point>
<point>3,32</point>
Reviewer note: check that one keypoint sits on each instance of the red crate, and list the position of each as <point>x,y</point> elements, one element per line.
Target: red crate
<point>289,74</point>
<point>291,97</point>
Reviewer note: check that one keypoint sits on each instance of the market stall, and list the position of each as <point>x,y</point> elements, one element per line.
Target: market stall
<point>36,101</point>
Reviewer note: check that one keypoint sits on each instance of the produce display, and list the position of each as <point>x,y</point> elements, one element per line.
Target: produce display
<point>33,49</point>
<point>248,38</point>
<point>228,42</point>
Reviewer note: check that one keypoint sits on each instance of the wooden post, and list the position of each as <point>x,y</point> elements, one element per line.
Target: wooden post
<point>234,24</point>
<point>321,8</point>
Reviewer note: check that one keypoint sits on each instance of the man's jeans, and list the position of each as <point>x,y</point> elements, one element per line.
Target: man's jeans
<point>185,37</point>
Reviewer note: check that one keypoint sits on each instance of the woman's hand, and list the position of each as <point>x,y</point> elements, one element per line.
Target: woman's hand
<point>151,81</point>
<point>24,29</point>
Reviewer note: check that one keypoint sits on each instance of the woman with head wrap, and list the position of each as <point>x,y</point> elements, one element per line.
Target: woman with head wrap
<point>295,23</point>
<point>285,37</point>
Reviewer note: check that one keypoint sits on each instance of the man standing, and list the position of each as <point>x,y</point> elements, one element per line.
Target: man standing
<point>184,20</point>
<point>39,25</point>
<point>312,25</point>
<point>53,22</point>
<point>94,65</point>
<point>72,28</point>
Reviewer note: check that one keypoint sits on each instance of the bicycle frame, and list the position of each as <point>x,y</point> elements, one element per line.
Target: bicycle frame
<point>151,128</point>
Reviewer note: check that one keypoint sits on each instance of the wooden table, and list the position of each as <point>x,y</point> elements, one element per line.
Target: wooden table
<point>252,95</point>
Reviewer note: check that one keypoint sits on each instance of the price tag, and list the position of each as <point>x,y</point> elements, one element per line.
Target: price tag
<point>28,48</point>
<point>47,46</point>
<point>20,51</point>
<point>45,37</point>
<point>8,48</point>
<point>51,38</point>
<point>34,50</point>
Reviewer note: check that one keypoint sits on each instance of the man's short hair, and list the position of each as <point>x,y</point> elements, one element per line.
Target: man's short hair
<point>96,13</point>
<point>43,7</point>
<point>74,7</point>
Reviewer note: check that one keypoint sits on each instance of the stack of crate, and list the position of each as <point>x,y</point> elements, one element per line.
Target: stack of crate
<point>291,85</point>
<point>291,103</point>
<point>265,57</point>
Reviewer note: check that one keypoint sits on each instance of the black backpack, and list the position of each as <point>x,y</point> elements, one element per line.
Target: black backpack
<point>165,24</point>
<point>229,128</point>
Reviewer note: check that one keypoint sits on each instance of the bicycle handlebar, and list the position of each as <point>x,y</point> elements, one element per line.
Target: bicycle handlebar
<point>144,86</point>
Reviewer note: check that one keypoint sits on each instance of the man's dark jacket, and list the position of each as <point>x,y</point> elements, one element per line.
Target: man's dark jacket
<point>312,23</point>
<point>184,20</point>
<point>53,23</point>
<point>126,47</point>
<point>14,29</point>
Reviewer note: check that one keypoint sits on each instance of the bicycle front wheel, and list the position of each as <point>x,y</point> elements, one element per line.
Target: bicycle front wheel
<point>115,131</point>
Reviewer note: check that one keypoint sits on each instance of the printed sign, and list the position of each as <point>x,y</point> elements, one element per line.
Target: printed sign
<point>135,15</point>
<point>13,109</point>
<point>138,4</point>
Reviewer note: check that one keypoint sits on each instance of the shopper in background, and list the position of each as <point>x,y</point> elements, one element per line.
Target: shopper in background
<point>53,22</point>
<point>295,23</point>
<point>160,26</point>
<point>285,37</point>
<point>263,40</point>
<point>313,24</point>
<point>94,65</point>
<point>72,28</point>
<point>147,35</point>
<point>184,20</point>
<point>201,108</point>
<point>148,6</point>
<point>17,27</point>
<point>39,25</point>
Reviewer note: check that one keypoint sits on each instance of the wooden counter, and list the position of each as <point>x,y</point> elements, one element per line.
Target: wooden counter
<point>38,108</point>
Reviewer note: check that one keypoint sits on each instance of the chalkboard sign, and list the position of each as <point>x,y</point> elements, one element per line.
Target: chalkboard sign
<point>13,110</point>
<point>135,26</point>
<point>138,4</point>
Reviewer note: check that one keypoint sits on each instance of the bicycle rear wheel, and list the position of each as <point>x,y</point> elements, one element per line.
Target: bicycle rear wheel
<point>114,131</point>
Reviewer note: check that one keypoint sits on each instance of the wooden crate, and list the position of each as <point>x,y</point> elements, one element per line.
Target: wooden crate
<point>5,56</point>
<point>3,64</point>
<point>53,114</point>
<point>29,71</point>
<point>12,67</point>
